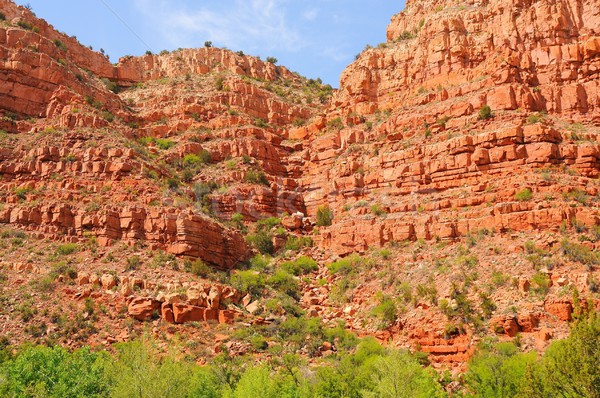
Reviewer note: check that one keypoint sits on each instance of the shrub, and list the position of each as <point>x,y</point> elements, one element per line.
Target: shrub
<point>571,367</point>
<point>25,25</point>
<point>192,159</point>
<point>296,243</point>
<point>54,372</point>
<point>248,281</point>
<point>66,249</point>
<point>110,85</point>
<point>377,210</point>
<point>398,374</point>
<point>541,283</point>
<point>22,193</point>
<point>577,195</point>
<point>524,195</point>
<point>219,85</point>
<point>272,60</point>
<point>324,216</point>
<point>254,176</point>
<point>386,311</point>
<point>199,268</point>
<point>163,143</point>
<point>268,223</point>
<point>499,278</point>
<point>579,253</point>
<point>260,262</point>
<point>108,116</point>
<point>535,118</point>
<point>336,123</point>
<point>133,263</point>
<point>498,371</point>
<point>262,241</point>
<point>485,113</point>
<point>261,123</point>
<point>301,266</point>
<point>346,265</point>
<point>173,183</point>
<point>61,46</point>
<point>2,16</point>
<point>238,220</point>
<point>406,35</point>
<point>285,283</point>
<point>208,44</point>
<point>161,259</point>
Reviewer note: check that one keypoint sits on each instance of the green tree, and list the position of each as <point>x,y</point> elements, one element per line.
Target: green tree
<point>498,371</point>
<point>571,368</point>
<point>257,382</point>
<point>204,384</point>
<point>139,372</point>
<point>399,375</point>
<point>55,373</point>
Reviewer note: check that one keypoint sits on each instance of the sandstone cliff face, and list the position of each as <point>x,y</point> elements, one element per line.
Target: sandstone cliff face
<point>408,136</point>
<point>510,54</point>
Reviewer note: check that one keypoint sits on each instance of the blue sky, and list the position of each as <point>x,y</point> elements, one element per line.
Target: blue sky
<point>317,38</point>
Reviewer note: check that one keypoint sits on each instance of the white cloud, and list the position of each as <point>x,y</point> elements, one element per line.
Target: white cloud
<point>336,53</point>
<point>248,25</point>
<point>311,15</point>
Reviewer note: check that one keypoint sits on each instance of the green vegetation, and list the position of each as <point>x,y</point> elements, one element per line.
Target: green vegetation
<point>386,310</point>
<point>359,368</point>
<point>346,265</point>
<point>580,253</point>
<point>160,143</point>
<point>194,160</point>
<point>256,176</point>
<point>26,25</point>
<point>524,195</point>
<point>60,45</point>
<point>301,266</point>
<point>22,192</point>
<point>66,249</point>
<point>108,116</point>
<point>133,263</point>
<point>377,210</point>
<point>199,268</point>
<point>272,60</point>
<point>541,283</point>
<point>219,84</point>
<point>577,195</point>
<point>406,35</point>
<point>336,123</point>
<point>261,123</point>
<point>498,371</point>
<point>249,281</point>
<point>262,241</point>
<point>324,216</point>
<point>296,243</point>
<point>485,113</point>
<point>569,368</point>
<point>536,117</point>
